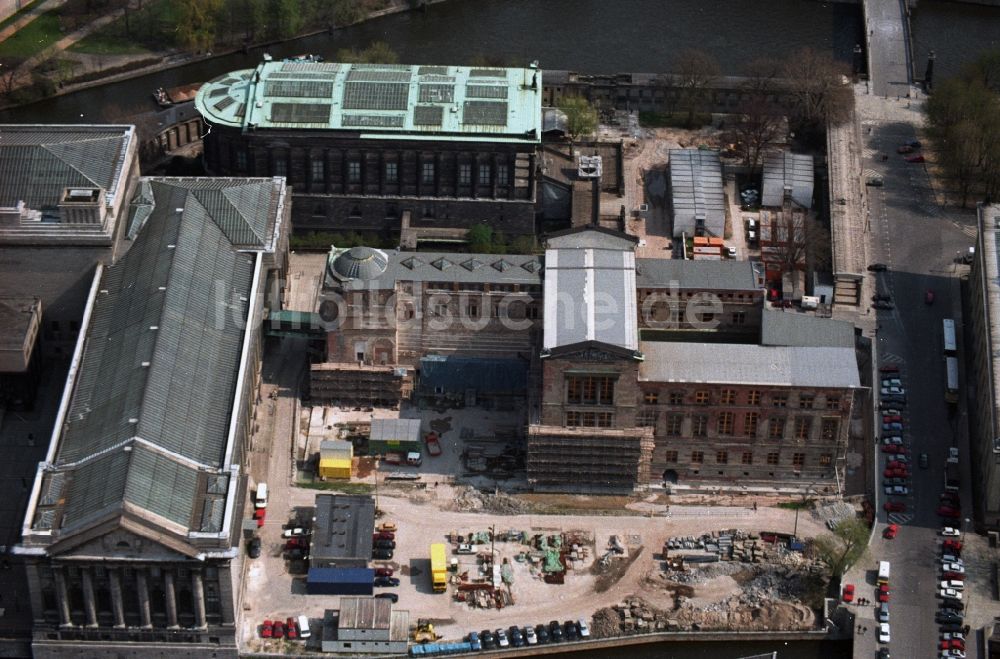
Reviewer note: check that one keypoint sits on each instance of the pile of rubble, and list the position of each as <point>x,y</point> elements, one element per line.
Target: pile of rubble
<point>633,616</point>
<point>832,513</point>
<point>469,499</point>
<point>706,572</point>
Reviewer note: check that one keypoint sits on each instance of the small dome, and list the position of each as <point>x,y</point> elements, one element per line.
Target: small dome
<point>361,263</point>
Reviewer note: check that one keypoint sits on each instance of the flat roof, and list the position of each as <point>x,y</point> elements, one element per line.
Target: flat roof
<point>380,100</point>
<point>788,328</point>
<point>343,527</point>
<point>731,363</point>
<point>696,191</point>
<point>389,429</point>
<point>590,296</point>
<point>724,275</point>
<point>16,314</point>
<point>791,170</point>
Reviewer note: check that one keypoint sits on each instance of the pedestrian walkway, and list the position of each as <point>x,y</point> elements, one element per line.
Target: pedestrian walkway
<point>28,15</point>
<point>889,68</point>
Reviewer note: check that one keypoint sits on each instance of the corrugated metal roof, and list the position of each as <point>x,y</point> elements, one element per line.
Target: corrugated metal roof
<point>791,170</point>
<point>590,295</point>
<point>729,363</point>
<point>726,275</point>
<point>38,161</point>
<point>779,328</point>
<point>364,613</point>
<point>452,102</point>
<point>407,430</point>
<point>696,192</point>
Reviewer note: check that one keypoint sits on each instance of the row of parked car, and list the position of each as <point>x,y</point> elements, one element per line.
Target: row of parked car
<point>291,628</point>
<point>896,474</point>
<point>517,637</point>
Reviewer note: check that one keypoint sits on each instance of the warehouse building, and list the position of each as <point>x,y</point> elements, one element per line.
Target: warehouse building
<point>790,176</point>
<point>426,151</point>
<point>697,198</point>
<point>365,625</point>
<point>135,514</point>
<point>342,531</point>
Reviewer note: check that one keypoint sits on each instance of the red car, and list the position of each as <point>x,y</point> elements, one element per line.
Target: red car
<point>890,533</point>
<point>259,515</point>
<point>383,572</point>
<point>894,448</point>
<point>279,629</point>
<point>952,546</point>
<point>297,543</point>
<point>947,511</point>
<point>384,535</point>
<point>889,368</point>
<point>849,592</point>
<point>267,629</point>
<point>892,418</point>
<point>953,576</point>
<point>895,506</point>
<point>291,629</point>
<point>883,593</point>
<point>917,158</point>
<point>897,464</point>
<point>929,297</point>
<point>896,473</point>
<point>953,644</point>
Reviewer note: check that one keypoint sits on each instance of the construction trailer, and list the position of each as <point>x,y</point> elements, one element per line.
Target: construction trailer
<point>335,458</point>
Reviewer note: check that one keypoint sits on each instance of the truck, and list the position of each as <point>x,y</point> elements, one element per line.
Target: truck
<point>433,443</point>
<point>883,572</point>
<point>439,567</point>
<point>951,476</point>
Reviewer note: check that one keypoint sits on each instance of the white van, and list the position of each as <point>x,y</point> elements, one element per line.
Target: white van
<point>260,501</point>
<point>304,631</point>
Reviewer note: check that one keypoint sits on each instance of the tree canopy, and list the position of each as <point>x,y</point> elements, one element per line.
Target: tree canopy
<point>581,117</point>
<point>844,547</point>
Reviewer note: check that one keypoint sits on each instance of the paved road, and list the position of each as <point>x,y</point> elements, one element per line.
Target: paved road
<point>888,47</point>
<point>918,240</point>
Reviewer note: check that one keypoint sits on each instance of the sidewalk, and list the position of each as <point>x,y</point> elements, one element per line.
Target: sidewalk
<point>29,15</point>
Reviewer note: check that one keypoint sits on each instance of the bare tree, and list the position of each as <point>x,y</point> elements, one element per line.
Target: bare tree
<point>759,126</point>
<point>820,89</point>
<point>696,72</point>
<point>8,73</point>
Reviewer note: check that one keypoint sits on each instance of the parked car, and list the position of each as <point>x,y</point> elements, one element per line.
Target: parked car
<point>581,626</point>
<point>253,547</point>
<point>848,595</point>
<point>386,582</point>
<point>957,636</point>
<point>893,391</point>
<point>953,603</point>
<point>952,546</point>
<point>267,629</point>
<point>384,535</point>
<point>883,593</point>
<point>924,461</point>
<point>881,296</point>
<point>875,181</point>
<point>892,426</point>
<point>956,568</point>
<point>296,543</point>
<point>259,514</point>
<point>896,490</point>
<point>895,506</point>
<point>954,584</point>
<point>948,511</point>
<point>892,439</point>
<point>555,631</point>
<point>296,555</point>
<point>502,640</point>
<point>898,462</point>
<point>896,473</point>
<point>291,629</point>
<point>392,597</point>
<point>905,148</point>
<point>474,641</point>
<point>294,532</point>
<point>465,548</point>
<point>387,526</point>
<point>951,559</point>
<point>892,418</point>
<point>570,631</point>
<point>950,532</point>
<point>951,499</point>
<point>384,572</point>
<point>883,633</point>
<point>950,593</point>
<point>542,632</point>
<point>279,629</point>
<point>887,368</point>
<point>957,576</point>
<point>516,637</point>
<point>385,544</point>
<point>891,531</point>
<point>892,382</point>
<point>882,613</point>
<point>948,617</point>
<point>381,554</point>
<point>895,399</point>
<point>529,635</point>
<point>488,640</point>
<point>889,411</point>
<point>895,449</point>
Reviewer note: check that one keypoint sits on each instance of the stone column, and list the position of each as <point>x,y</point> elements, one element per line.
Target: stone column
<point>168,579</point>
<point>143,587</point>
<point>198,593</point>
<point>88,597</point>
<point>116,597</point>
<point>62,593</point>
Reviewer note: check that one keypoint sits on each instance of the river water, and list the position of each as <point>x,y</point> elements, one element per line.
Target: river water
<point>582,35</point>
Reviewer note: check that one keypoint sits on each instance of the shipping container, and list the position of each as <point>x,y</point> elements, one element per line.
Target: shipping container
<point>340,581</point>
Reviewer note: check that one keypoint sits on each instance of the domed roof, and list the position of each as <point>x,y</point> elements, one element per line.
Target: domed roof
<point>361,263</point>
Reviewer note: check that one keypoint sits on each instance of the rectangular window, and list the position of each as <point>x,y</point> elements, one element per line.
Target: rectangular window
<point>830,428</point>
<point>280,167</point>
<point>779,400</point>
<point>503,175</point>
<point>798,459</point>
<point>776,427</point>
<point>706,317</point>
<point>572,419</point>
<point>484,175</point>
<point>701,397</point>
<point>697,457</point>
<point>674,422</point>
<point>750,423</point>
<point>464,174</point>
<point>746,458</point>
<point>699,425</point>
<point>833,402</point>
<point>354,171</point>
<point>803,424</point>
<point>427,172</point>
<point>646,418</point>
<point>722,457</point>
<point>753,397</point>
<point>391,172</point>
<point>605,419</point>
<point>316,171</point>
<point>806,401</point>
<point>739,318</point>
<point>728,397</point>
<point>772,458</point>
<point>472,310</point>
<point>825,459</point>
<point>670,456</point>
<point>676,397</point>
<point>725,423</point>
<point>651,397</point>
<point>590,390</point>
<point>241,160</point>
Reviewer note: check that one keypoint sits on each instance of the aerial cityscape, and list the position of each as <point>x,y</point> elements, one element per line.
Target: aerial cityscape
<point>373,328</point>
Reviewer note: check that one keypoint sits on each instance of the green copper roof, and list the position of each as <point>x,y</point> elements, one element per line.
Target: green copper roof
<point>380,100</point>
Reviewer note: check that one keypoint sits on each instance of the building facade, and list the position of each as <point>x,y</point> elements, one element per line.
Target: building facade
<point>376,147</point>
<point>133,529</point>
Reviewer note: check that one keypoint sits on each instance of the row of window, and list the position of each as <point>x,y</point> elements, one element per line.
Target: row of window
<point>752,397</point>
<point>747,458</point>
<point>777,426</point>
<point>590,390</point>
<point>390,170</point>
<point>575,419</point>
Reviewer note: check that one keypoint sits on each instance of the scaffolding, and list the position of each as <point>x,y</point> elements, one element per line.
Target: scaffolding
<point>589,457</point>
<point>360,384</point>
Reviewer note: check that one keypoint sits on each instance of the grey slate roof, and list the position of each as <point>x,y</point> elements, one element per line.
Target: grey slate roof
<point>38,161</point>
<point>779,328</point>
<point>148,421</point>
<point>696,192</point>
<point>726,275</point>
<point>590,295</point>
<point>524,269</point>
<point>787,169</point>
<point>749,364</point>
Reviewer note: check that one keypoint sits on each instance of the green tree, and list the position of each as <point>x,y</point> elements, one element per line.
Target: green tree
<point>284,18</point>
<point>844,547</point>
<point>196,23</point>
<point>523,245</point>
<point>377,52</point>
<point>480,237</point>
<point>581,117</point>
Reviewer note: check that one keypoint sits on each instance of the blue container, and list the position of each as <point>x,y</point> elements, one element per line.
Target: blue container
<point>340,581</point>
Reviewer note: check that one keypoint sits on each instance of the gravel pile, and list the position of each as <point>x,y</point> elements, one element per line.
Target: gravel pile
<point>834,511</point>
<point>471,500</point>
